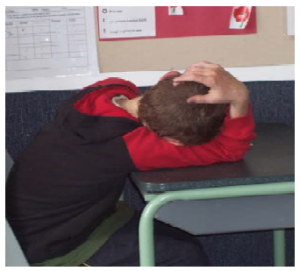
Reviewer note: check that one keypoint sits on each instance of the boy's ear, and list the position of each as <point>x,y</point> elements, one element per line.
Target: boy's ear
<point>173,141</point>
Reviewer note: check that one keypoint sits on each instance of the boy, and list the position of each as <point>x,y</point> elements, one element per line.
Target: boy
<point>62,194</point>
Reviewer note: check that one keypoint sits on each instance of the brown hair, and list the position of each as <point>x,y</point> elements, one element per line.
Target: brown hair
<point>164,109</point>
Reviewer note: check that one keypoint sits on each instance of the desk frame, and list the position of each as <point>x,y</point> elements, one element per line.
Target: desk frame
<point>146,230</point>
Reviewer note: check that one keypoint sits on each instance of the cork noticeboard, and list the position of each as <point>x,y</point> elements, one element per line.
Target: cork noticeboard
<point>269,46</point>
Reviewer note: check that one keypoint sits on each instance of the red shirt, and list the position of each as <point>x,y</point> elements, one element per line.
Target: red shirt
<point>149,151</point>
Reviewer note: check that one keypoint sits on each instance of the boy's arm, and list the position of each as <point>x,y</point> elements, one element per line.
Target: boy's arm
<point>148,151</point>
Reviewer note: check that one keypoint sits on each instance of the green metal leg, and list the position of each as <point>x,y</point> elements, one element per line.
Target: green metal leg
<point>279,247</point>
<point>146,238</point>
<point>146,231</point>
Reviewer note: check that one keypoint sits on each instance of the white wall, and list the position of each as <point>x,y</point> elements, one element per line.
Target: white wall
<point>145,78</point>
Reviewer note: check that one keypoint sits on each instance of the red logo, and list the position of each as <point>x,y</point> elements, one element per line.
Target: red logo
<point>241,14</point>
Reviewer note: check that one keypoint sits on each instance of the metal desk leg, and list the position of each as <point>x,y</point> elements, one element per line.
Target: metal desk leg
<point>146,231</point>
<point>279,247</point>
<point>146,236</point>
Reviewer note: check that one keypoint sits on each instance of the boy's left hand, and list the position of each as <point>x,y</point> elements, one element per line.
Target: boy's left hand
<point>224,88</point>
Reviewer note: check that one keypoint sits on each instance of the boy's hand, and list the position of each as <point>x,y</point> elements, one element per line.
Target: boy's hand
<point>224,88</point>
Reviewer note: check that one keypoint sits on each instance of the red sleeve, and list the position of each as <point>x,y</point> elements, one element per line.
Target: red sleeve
<point>148,151</point>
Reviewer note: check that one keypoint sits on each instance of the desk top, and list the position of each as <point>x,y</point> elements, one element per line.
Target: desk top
<point>270,159</point>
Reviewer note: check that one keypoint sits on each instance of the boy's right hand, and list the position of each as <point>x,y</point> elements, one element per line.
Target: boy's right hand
<point>224,88</point>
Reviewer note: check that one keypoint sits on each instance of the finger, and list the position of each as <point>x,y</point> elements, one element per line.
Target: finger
<point>190,77</point>
<point>193,74</point>
<point>206,79</point>
<point>199,99</point>
<point>197,69</point>
<point>209,98</point>
<point>175,84</point>
<point>204,64</point>
<point>202,71</point>
<point>198,65</point>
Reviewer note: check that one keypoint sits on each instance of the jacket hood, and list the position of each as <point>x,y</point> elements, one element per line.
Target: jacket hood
<point>91,117</point>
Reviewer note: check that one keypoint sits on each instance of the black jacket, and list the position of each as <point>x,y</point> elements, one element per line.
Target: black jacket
<point>68,180</point>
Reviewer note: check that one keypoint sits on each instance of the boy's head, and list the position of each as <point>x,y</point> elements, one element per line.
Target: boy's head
<point>164,109</point>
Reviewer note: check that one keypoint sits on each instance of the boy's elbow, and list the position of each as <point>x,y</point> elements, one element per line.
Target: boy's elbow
<point>236,155</point>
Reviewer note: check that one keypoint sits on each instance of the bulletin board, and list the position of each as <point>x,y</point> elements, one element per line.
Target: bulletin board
<point>193,21</point>
<point>269,45</point>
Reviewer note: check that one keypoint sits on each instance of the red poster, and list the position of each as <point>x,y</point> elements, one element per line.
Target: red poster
<point>196,21</point>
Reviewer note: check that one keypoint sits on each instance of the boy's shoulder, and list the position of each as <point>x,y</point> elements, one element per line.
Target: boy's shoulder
<point>114,82</point>
<point>98,98</point>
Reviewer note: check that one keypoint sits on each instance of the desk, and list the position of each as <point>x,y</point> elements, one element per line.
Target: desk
<point>253,194</point>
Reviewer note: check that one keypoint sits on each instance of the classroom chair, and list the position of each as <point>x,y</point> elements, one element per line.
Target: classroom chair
<point>13,253</point>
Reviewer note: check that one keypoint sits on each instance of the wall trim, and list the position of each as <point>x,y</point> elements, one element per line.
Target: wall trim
<point>145,78</point>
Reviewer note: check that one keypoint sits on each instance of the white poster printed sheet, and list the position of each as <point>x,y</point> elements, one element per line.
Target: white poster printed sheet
<point>126,22</point>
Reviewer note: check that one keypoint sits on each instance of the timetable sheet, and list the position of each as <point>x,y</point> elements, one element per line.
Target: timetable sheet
<point>50,41</point>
